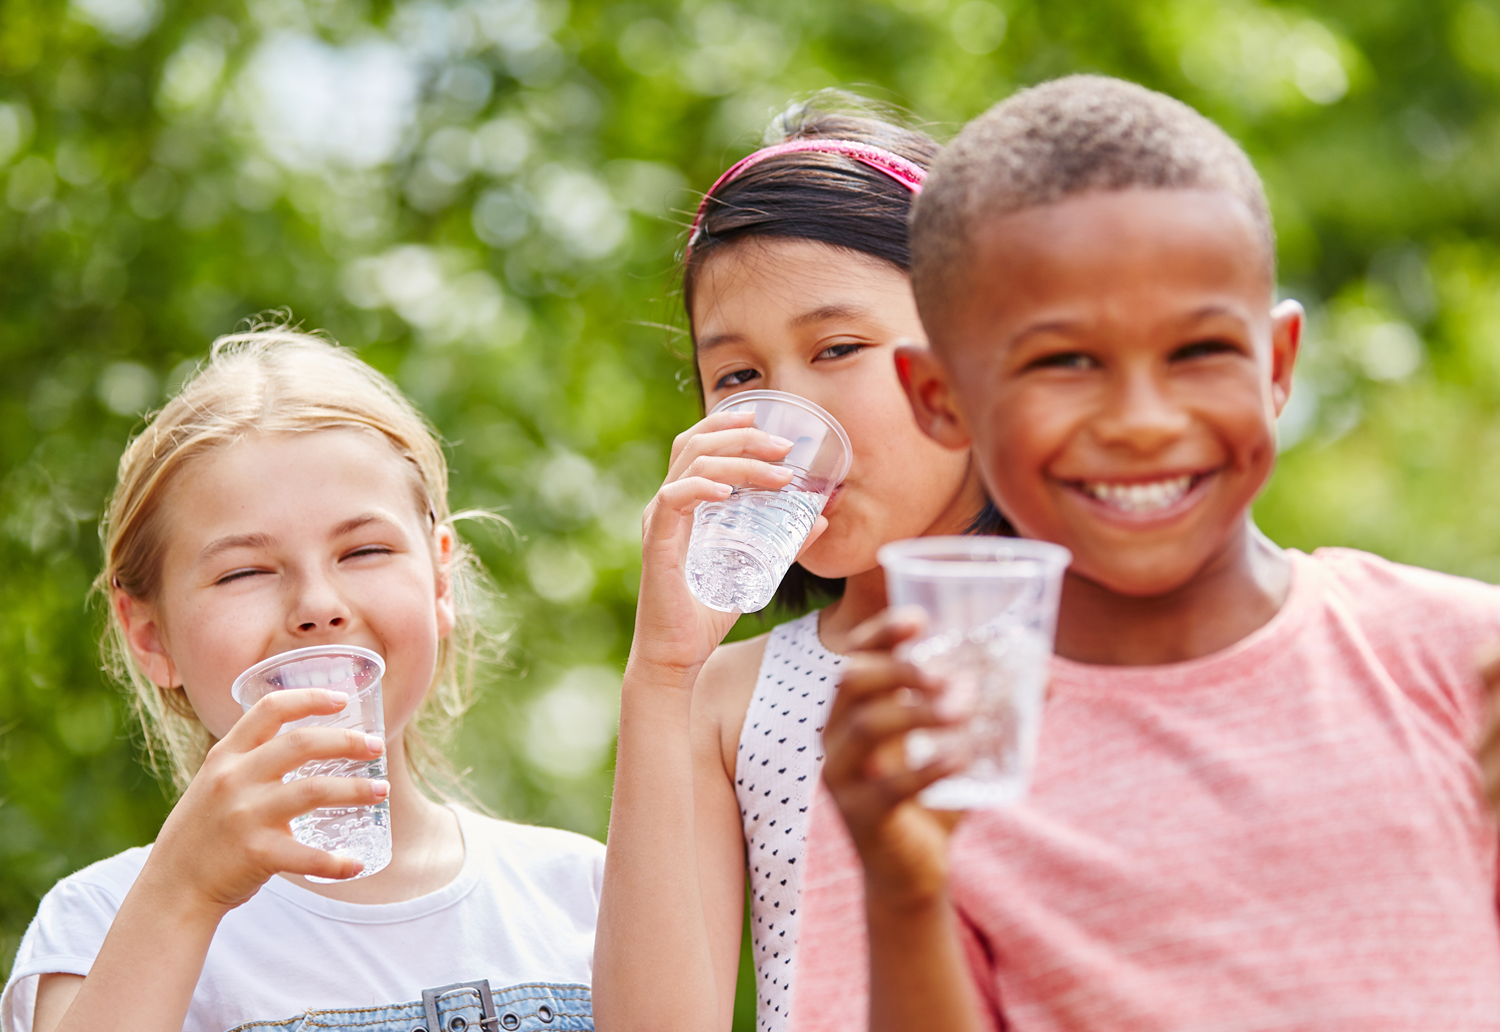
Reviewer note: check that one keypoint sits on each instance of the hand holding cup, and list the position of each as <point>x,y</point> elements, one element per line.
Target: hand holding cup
<point>230,831</point>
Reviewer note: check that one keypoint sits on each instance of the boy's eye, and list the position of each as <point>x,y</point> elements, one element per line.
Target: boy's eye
<point>735,379</point>
<point>1065,360</point>
<point>1204,348</point>
<point>840,350</point>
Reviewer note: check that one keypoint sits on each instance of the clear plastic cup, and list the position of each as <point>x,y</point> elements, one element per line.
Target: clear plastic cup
<point>362,832</point>
<point>743,546</point>
<point>991,606</point>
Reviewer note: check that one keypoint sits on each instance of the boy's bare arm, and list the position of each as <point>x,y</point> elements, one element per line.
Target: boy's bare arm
<point>919,976</point>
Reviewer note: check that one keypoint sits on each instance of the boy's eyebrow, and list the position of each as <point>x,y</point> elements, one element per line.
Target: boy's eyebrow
<point>1210,310</point>
<point>1050,326</point>
<point>1064,326</point>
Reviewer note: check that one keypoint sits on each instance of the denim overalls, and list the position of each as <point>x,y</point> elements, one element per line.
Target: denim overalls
<point>460,1007</point>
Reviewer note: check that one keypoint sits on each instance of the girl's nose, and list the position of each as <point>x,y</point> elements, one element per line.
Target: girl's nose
<point>317,606</point>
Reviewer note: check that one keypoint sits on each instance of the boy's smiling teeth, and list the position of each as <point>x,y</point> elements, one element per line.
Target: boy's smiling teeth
<point>1139,497</point>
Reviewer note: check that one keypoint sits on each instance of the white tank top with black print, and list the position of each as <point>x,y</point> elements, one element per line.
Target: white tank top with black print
<point>779,761</point>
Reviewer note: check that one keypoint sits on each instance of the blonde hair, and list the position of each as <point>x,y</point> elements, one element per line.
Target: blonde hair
<point>272,380</point>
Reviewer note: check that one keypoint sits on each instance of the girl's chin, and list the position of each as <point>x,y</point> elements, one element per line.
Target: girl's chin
<point>837,564</point>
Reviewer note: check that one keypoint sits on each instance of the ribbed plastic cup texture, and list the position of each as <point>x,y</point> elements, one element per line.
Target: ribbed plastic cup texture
<point>362,832</point>
<point>991,606</point>
<point>742,547</point>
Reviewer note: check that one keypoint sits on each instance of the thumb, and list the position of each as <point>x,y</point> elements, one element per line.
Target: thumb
<point>819,525</point>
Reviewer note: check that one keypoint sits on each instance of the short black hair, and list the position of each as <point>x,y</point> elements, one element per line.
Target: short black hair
<point>1062,138</point>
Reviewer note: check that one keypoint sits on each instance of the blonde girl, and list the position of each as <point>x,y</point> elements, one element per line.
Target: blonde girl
<point>290,496</point>
<point>795,280</point>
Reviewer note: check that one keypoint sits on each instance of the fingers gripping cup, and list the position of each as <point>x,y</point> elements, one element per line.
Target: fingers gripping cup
<point>361,832</point>
<point>991,606</point>
<point>743,546</point>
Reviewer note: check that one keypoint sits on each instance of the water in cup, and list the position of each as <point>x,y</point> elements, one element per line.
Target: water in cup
<point>996,678</point>
<point>742,546</point>
<point>361,832</point>
<point>991,606</point>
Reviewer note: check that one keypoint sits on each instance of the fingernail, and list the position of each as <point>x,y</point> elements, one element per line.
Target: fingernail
<point>382,788</point>
<point>338,697</point>
<point>375,742</point>
<point>780,442</point>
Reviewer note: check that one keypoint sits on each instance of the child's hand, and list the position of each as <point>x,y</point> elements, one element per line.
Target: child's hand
<point>902,845</point>
<point>229,833</point>
<point>1488,748</point>
<point>717,454</point>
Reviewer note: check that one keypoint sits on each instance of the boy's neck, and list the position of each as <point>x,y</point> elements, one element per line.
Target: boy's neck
<point>1237,593</point>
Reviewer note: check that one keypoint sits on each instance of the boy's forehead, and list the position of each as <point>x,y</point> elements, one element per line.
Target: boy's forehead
<point>1082,250</point>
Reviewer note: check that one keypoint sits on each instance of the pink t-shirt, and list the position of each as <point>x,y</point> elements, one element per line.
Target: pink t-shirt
<point>1289,834</point>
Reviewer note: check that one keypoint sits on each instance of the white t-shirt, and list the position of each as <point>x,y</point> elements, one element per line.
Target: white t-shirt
<point>522,909</point>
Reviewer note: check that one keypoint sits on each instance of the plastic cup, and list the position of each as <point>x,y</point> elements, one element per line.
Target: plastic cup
<point>991,606</point>
<point>743,546</point>
<point>363,832</point>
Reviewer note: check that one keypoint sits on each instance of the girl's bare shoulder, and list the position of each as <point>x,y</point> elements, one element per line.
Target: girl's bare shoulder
<point>725,686</point>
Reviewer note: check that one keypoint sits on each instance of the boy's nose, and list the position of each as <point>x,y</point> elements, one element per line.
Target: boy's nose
<point>1140,414</point>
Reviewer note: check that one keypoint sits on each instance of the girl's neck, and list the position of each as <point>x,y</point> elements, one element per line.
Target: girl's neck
<point>1237,593</point>
<point>864,596</point>
<point>427,848</point>
<point>864,593</point>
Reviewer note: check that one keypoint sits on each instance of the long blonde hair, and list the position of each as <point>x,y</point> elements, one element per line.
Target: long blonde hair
<point>272,380</point>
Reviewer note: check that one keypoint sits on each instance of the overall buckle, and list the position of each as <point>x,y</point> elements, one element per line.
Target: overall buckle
<point>488,1021</point>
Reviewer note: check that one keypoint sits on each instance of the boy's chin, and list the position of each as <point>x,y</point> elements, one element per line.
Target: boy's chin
<point>1143,577</point>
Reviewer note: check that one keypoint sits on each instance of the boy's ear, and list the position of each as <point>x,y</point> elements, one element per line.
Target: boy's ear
<point>444,545</point>
<point>932,403</point>
<point>1287,320</point>
<point>143,633</point>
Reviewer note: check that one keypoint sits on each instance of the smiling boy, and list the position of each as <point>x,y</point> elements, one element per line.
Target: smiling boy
<point>1255,804</point>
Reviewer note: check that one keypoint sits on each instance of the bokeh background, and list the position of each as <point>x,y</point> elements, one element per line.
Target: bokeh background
<point>485,197</point>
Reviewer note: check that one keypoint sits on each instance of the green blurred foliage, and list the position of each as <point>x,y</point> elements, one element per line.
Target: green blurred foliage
<point>484,197</point>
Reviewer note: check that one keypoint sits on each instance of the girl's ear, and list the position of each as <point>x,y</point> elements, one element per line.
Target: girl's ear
<point>444,545</point>
<point>932,403</point>
<point>144,635</point>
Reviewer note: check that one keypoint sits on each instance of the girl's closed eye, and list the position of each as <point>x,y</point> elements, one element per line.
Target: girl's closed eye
<point>368,550</point>
<point>238,575</point>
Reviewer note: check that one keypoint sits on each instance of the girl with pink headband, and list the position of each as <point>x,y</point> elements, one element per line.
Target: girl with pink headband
<point>794,279</point>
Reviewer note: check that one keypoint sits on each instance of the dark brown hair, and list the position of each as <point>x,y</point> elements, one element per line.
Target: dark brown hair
<point>828,198</point>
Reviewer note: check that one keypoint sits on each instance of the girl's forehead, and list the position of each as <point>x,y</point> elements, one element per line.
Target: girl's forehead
<point>293,472</point>
<point>774,280</point>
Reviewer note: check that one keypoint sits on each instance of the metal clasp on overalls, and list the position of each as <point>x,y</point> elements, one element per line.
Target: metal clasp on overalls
<point>489,1021</point>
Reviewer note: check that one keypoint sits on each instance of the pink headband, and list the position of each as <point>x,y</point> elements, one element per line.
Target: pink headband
<point>908,173</point>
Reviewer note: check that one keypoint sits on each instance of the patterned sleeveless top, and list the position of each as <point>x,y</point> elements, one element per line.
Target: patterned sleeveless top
<point>780,758</point>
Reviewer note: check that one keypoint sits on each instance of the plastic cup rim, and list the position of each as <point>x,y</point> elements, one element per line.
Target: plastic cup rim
<point>307,652</point>
<point>968,556</point>
<point>787,398</point>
